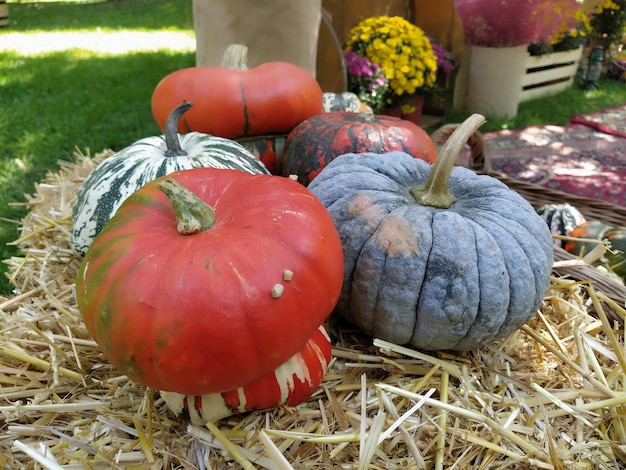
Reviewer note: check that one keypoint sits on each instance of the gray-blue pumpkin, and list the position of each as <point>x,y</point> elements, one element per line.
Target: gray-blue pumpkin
<point>436,257</point>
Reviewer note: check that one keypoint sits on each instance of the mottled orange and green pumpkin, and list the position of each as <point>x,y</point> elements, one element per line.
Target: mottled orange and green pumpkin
<point>314,143</point>
<point>590,229</point>
<point>615,258</point>
<point>268,149</point>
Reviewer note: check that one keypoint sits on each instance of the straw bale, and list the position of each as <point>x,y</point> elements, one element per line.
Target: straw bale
<point>551,396</point>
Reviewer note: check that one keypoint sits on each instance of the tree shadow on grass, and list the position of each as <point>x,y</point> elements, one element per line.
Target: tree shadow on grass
<point>56,102</point>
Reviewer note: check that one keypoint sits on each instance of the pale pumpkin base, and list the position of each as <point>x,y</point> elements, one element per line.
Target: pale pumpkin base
<point>551,394</point>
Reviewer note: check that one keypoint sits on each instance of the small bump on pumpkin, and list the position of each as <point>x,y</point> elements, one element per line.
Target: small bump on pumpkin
<point>277,291</point>
<point>287,275</point>
<point>293,177</point>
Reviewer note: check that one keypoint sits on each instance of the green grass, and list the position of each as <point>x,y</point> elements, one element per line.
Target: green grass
<point>54,102</point>
<point>556,109</point>
<point>59,101</point>
<point>86,15</point>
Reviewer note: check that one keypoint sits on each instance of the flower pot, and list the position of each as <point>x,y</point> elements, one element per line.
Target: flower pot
<point>393,111</point>
<point>418,103</point>
<point>435,103</point>
<point>494,80</point>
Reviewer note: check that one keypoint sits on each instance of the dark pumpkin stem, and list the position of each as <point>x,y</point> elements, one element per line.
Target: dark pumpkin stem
<point>171,130</point>
<point>235,57</point>
<point>435,192</point>
<point>193,215</point>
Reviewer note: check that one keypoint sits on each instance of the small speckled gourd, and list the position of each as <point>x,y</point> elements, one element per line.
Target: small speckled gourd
<point>436,257</point>
<point>561,219</point>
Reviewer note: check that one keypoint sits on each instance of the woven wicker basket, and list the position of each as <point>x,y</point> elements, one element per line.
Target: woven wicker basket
<point>537,196</point>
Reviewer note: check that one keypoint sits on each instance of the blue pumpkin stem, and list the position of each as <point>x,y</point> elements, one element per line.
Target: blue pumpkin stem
<point>434,192</point>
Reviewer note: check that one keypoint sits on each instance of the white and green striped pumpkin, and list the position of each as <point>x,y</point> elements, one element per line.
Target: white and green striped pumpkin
<point>117,177</point>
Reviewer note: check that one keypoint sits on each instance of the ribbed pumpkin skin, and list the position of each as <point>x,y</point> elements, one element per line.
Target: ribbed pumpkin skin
<point>436,279</point>
<point>317,141</point>
<point>290,384</point>
<point>197,314</point>
<point>117,177</point>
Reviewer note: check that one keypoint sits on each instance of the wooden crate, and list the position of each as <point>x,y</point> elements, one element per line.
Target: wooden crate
<point>550,73</point>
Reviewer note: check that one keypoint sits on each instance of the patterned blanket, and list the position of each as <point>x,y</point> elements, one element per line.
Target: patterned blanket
<point>576,159</point>
<point>610,120</point>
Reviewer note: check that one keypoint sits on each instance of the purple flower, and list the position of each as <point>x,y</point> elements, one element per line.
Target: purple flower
<point>365,70</point>
<point>366,79</point>
<point>445,60</point>
<point>507,23</point>
<point>360,66</point>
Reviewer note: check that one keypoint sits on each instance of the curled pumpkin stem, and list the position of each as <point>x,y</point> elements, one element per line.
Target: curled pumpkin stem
<point>171,130</point>
<point>193,215</point>
<point>435,192</point>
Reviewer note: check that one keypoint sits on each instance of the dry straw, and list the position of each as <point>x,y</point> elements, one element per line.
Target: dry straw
<point>551,396</point>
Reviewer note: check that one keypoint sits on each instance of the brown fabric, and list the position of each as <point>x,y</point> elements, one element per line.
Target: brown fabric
<point>283,30</point>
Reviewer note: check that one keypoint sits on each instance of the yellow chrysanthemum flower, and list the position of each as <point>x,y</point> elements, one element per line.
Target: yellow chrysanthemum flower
<point>401,49</point>
<point>608,20</point>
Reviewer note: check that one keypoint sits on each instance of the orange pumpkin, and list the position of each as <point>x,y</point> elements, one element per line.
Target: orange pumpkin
<point>233,101</point>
